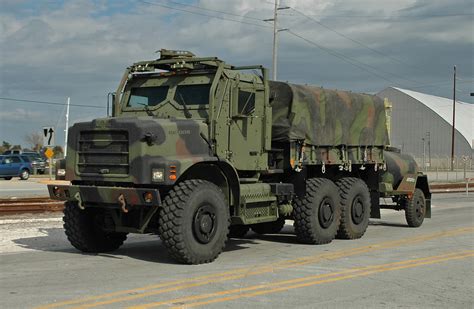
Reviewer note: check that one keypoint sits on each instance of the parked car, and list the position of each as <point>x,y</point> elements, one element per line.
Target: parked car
<point>15,166</point>
<point>37,161</point>
<point>10,152</point>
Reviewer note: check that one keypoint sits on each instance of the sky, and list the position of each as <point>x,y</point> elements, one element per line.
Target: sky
<point>54,49</point>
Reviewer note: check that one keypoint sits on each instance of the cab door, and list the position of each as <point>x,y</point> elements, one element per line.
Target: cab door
<point>246,143</point>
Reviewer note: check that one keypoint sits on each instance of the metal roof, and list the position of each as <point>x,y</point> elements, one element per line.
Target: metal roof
<point>444,108</point>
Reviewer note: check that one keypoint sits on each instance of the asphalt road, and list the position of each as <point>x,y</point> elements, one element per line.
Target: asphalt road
<point>391,266</point>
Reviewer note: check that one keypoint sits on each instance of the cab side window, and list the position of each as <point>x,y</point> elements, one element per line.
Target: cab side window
<point>246,102</point>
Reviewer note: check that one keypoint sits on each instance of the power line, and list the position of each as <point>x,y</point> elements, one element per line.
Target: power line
<point>356,41</point>
<point>387,18</point>
<point>213,10</point>
<point>343,57</point>
<point>339,55</point>
<point>203,14</point>
<point>50,103</point>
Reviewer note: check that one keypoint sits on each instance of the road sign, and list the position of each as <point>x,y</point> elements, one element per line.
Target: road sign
<point>49,153</point>
<point>48,136</point>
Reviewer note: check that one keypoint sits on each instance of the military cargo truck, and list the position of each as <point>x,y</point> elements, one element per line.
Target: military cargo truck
<point>197,151</point>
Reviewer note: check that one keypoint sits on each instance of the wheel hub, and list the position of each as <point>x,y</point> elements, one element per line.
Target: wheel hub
<point>419,208</point>
<point>204,223</point>
<point>326,213</point>
<point>358,210</point>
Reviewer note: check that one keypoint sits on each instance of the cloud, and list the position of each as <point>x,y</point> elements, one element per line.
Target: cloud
<point>80,48</point>
<point>20,114</point>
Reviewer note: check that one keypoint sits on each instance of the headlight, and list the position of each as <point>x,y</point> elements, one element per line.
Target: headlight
<point>61,172</point>
<point>157,174</point>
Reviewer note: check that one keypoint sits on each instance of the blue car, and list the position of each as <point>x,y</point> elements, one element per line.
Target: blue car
<point>15,166</point>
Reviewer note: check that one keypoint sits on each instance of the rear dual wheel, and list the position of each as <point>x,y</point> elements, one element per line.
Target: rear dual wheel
<point>355,208</point>
<point>316,215</point>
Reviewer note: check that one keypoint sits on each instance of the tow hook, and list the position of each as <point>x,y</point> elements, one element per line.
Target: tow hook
<point>123,203</point>
<point>78,198</point>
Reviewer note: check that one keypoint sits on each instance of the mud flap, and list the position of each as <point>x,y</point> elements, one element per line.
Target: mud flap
<point>375,204</point>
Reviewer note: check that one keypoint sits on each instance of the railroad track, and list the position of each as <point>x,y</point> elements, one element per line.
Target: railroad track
<point>45,204</point>
<point>29,205</point>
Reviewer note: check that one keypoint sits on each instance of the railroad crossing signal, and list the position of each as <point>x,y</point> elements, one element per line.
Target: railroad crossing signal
<point>48,136</point>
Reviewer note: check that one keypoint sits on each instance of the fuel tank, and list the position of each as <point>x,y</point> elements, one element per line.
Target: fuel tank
<point>398,166</point>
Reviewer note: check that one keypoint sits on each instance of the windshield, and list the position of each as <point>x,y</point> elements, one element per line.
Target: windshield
<point>149,96</point>
<point>192,94</point>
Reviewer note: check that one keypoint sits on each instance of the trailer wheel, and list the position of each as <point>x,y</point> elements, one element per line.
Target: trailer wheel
<point>415,209</point>
<point>194,222</point>
<point>84,230</point>
<point>316,215</point>
<point>273,227</point>
<point>238,231</point>
<point>355,208</point>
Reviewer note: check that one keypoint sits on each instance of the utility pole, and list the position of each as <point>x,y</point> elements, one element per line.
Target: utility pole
<point>67,126</point>
<point>423,161</point>
<point>454,120</point>
<point>275,37</point>
<point>428,135</point>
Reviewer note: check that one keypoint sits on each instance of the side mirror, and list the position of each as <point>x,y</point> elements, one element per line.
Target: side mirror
<point>110,101</point>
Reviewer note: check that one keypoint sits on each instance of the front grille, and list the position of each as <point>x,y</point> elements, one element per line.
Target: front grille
<point>103,153</point>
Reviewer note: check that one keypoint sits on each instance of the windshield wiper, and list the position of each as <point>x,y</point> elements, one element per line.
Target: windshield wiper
<point>147,109</point>
<point>187,114</point>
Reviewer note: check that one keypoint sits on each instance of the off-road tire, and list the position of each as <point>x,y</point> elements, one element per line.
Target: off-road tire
<point>273,227</point>
<point>238,231</point>
<point>84,232</point>
<point>354,221</point>
<point>7,178</point>
<point>316,215</point>
<point>25,174</point>
<point>415,209</point>
<point>188,211</point>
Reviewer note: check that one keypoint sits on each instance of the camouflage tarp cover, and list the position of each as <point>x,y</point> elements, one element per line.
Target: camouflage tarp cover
<point>326,117</point>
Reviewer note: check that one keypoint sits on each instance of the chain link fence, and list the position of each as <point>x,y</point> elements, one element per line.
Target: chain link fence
<point>438,168</point>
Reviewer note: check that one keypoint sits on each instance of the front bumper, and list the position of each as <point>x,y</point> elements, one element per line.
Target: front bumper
<point>105,196</point>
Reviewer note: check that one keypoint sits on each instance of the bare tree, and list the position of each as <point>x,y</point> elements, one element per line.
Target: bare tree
<point>58,151</point>
<point>35,140</point>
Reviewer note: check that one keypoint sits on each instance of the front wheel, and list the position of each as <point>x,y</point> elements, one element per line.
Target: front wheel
<point>415,209</point>
<point>7,178</point>
<point>84,229</point>
<point>25,174</point>
<point>194,222</point>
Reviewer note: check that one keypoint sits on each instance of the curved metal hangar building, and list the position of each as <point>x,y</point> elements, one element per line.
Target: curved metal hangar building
<point>421,120</point>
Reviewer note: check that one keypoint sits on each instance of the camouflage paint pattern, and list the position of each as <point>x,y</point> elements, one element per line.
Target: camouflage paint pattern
<point>400,167</point>
<point>327,117</point>
<point>127,149</point>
